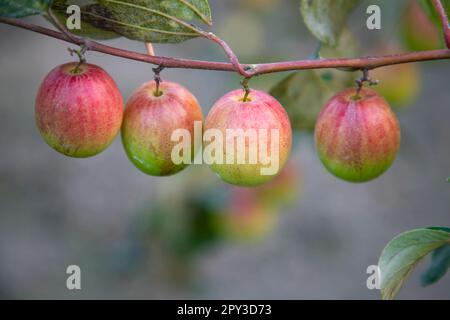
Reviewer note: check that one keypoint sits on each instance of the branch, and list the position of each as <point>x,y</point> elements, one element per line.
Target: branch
<point>444,19</point>
<point>250,70</point>
<point>231,55</point>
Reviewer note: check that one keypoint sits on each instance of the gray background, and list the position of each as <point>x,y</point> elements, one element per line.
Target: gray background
<point>56,211</point>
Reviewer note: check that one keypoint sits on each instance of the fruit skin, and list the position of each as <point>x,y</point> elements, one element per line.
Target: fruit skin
<point>262,112</point>
<point>149,122</point>
<point>357,139</point>
<point>78,114</point>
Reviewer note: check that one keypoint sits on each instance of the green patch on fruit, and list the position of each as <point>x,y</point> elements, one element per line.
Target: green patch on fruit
<point>368,171</point>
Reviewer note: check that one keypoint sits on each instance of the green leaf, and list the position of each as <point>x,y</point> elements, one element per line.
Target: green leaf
<point>401,255</point>
<point>23,8</point>
<point>440,228</point>
<point>303,94</point>
<point>440,263</point>
<point>157,21</point>
<point>326,18</point>
<point>91,27</point>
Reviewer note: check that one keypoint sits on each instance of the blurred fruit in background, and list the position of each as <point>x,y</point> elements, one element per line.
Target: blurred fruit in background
<point>205,214</point>
<point>245,217</point>
<point>399,84</point>
<point>251,213</point>
<point>418,30</point>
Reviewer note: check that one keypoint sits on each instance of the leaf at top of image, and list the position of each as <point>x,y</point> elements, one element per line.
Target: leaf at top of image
<point>23,8</point>
<point>326,18</point>
<point>157,21</point>
<point>402,254</point>
<point>91,26</point>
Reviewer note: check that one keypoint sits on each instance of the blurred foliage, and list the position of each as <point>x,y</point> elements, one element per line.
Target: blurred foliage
<point>211,214</point>
<point>398,84</point>
<point>304,93</point>
<point>23,8</point>
<point>326,18</point>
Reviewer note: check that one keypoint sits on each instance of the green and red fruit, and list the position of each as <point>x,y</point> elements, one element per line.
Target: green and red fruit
<point>246,218</point>
<point>283,190</point>
<point>418,30</point>
<point>357,135</point>
<point>398,84</point>
<point>149,121</point>
<point>261,114</point>
<point>79,109</point>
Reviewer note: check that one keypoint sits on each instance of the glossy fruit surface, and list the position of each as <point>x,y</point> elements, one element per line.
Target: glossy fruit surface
<point>260,114</point>
<point>149,121</point>
<point>357,135</point>
<point>78,110</point>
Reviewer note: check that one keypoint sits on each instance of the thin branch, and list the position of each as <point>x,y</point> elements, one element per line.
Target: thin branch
<point>444,19</point>
<point>74,39</point>
<point>231,55</point>
<point>252,70</point>
<point>150,49</point>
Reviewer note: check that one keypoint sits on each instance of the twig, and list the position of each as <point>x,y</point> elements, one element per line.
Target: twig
<point>150,49</point>
<point>231,55</point>
<point>444,19</point>
<point>74,39</point>
<point>257,69</point>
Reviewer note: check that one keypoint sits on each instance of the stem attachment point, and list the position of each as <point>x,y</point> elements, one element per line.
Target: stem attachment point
<point>246,88</point>
<point>365,78</point>
<point>80,54</point>
<point>158,80</point>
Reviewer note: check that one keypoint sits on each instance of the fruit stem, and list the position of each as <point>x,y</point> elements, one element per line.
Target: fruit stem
<point>80,54</point>
<point>158,80</point>
<point>246,87</point>
<point>365,78</point>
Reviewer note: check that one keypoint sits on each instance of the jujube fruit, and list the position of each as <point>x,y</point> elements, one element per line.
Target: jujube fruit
<point>151,116</point>
<point>79,109</point>
<point>398,84</point>
<point>418,30</point>
<point>246,217</point>
<point>357,135</point>
<point>260,112</point>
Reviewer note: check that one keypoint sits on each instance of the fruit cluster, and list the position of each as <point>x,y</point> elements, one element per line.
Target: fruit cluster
<point>79,112</point>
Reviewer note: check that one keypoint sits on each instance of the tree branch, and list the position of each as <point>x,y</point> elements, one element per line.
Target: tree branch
<point>249,70</point>
<point>231,55</point>
<point>444,19</point>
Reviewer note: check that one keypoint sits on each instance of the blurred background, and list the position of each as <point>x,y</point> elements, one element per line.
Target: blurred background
<point>304,235</point>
